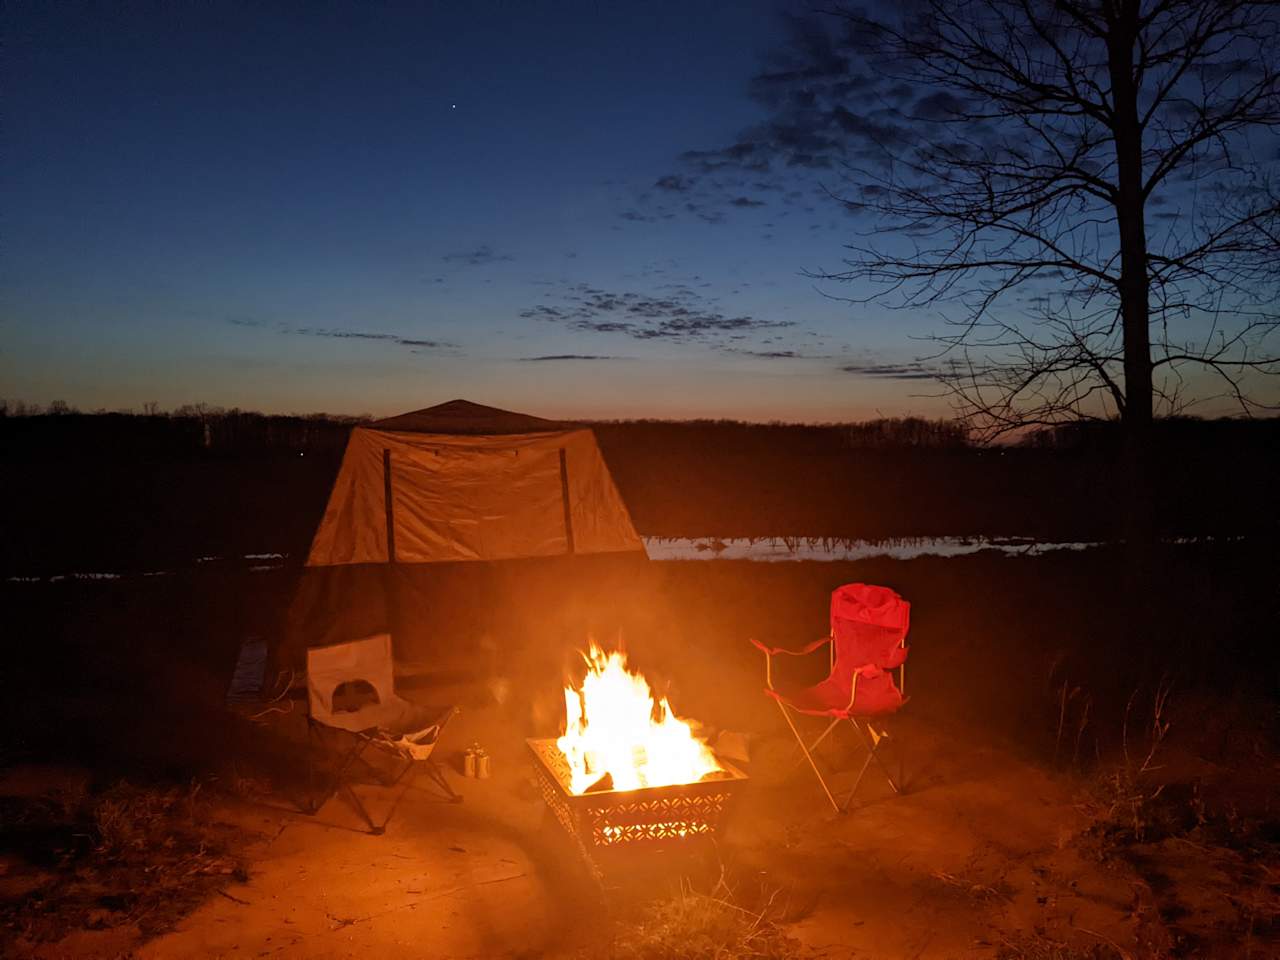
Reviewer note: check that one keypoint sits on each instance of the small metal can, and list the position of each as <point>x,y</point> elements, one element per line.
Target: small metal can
<point>482,765</point>
<point>469,762</point>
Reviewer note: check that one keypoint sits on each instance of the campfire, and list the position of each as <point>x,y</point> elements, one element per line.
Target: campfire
<point>627,770</point>
<point>617,736</point>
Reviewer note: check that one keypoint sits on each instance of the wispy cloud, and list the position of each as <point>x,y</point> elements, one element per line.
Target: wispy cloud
<point>482,255</point>
<point>679,315</point>
<point>827,107</point>
<point>673,182</point>
<point>915,370</point>
<point>415,344</point>
<point>779,354</point>
<point>370,335</point>
<point>570,356</point>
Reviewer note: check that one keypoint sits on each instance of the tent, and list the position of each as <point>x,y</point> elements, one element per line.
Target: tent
<point>440,517</point>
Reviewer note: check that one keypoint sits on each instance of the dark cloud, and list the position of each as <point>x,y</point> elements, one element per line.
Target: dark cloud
<point>393,338</point>
<point>246,322</point>
<point>746,202</point>
<point>479,257</point>
<point>778,354</point>
<point>341,334</point>
<point>569,356</point>
<point>673,182</point>
<point>939,105</point>
<point>828,108</point>
<point>678,315</point>
<point>704,213</point>
<point>748,154</point>
<point>915,370</point>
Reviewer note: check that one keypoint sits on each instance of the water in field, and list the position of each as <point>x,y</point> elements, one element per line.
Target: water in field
<point>759,549</point>
<point>780,549</point>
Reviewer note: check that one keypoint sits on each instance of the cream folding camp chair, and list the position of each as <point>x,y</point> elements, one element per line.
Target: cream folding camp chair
<point>351,692</point>
<point>867,643</point>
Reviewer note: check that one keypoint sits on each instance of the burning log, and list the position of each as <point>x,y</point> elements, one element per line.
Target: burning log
<point>603,785</point>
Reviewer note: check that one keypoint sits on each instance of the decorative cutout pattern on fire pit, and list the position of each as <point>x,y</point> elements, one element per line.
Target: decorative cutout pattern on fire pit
<point>612,818</point>
<point>669,818</point>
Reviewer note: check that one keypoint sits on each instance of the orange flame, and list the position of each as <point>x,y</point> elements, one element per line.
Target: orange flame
<point>614,727</point>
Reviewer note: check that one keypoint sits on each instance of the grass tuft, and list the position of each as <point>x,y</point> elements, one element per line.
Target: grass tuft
<point>128,855</point>
<point>703,926</point>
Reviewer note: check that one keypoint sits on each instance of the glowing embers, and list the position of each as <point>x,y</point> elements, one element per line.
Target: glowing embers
<point>617,737</point>
<point>610,819</point>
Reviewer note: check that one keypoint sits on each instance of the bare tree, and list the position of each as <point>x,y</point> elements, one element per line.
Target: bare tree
<point>1089,206</point>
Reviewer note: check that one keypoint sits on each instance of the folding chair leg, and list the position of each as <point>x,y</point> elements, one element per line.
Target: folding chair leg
<point>856,783</point>
<point>312,806</point>
<point>437,776</point>
<point>354,799</point>
<point>816,772</point>
<point>872,755</point>
<point>813,747</point>
<point>831,726</point>
<point>338,784</point>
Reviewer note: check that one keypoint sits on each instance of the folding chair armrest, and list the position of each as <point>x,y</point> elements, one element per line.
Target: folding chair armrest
<point>768,661</point>
<point>803,651</point>
<point>769,653</point>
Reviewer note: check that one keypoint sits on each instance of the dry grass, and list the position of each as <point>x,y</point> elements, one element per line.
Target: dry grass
<point>128,855</point>
<point>1124,802</point>
<point>702,926</point>
<point>1042,948</point>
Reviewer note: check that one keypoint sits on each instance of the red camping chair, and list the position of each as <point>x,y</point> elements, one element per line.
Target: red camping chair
<point>866,644</point>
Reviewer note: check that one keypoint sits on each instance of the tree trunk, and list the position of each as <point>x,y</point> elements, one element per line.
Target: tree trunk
<point>1134,282</point>
<point>1139,515</point>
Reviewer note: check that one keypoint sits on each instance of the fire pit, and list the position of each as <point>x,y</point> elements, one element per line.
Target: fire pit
<point>649,815</point>
<point>628,773</point>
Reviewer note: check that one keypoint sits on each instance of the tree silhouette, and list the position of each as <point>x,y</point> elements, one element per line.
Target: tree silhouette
<point>1086,199</point>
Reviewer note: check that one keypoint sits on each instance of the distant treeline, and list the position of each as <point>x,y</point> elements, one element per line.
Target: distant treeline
<point>26,429</point>
<point>200,427</point>
<point>144,491</point>
<point>31,428</point>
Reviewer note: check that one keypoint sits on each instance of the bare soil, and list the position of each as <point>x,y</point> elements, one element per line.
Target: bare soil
<point>1024,831</point>
<point>984,855</point>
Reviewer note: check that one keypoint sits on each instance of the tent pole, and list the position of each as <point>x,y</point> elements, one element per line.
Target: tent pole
<point>564,496</point>
<point>386,496</point>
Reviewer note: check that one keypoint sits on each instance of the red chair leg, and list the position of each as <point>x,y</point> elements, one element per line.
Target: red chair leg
<point>873,747</point>
<point>800,740</point>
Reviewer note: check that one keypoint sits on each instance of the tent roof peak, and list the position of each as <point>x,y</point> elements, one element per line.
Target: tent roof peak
<point>463,416</point>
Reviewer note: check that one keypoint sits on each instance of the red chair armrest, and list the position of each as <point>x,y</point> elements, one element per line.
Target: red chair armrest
<point>771,651</point>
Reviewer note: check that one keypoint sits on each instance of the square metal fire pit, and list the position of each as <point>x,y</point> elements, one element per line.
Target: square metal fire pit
<point>649,817</point>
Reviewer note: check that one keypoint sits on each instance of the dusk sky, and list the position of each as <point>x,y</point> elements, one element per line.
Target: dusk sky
<point>372,208</point>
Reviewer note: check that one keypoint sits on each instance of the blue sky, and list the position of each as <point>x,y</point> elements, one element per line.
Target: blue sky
<point>371,208</point>
<point>200,202</point>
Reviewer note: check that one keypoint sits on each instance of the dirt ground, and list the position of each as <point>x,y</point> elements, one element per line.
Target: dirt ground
<point>1024,832</point>
<point>984,855</point>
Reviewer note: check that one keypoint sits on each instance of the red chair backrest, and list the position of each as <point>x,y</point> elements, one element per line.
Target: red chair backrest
<point>868,627</point>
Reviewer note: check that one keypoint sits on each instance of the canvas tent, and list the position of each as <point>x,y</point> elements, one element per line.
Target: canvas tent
<point>429,511</point>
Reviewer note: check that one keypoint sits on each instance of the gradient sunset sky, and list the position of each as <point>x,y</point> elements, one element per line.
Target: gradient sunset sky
<point>372,208</point>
